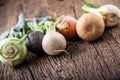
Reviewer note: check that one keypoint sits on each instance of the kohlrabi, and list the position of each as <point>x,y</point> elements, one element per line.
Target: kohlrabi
<point>13,51</point>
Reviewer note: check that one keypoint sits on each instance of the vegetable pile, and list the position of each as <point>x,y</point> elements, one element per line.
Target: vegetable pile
<point>45,34</point>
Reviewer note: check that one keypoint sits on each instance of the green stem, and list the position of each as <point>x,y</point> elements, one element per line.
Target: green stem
<point>50,26</point>
<point>91,5</point>
<point>35,24</point>
<point>22,39</point>
<point>92,9</point>
<point>47,29</point>
<point>55,26</point>
<point>89,9</point>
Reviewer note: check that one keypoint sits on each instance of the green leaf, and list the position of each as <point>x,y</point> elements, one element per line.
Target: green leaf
<point>91,5</point>
<point>38,24</point>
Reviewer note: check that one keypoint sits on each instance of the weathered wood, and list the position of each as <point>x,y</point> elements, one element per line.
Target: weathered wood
<point>98,60</point>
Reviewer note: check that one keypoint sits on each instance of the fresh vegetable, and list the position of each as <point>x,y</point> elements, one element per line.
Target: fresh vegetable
<point>53,42</point>
<point>13,51</point>
<point>48,28</point>
<point>90,26</point>
<point>109,12</point>
<point>67,26</point>
<point>34,41</point>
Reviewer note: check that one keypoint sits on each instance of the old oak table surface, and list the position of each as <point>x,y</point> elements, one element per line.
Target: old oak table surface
<point>98,60</point>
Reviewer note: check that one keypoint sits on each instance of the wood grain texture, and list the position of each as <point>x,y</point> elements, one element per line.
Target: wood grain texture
<point>98,60</point>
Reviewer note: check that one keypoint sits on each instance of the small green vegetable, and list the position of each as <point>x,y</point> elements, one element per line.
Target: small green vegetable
<point>13,51</point>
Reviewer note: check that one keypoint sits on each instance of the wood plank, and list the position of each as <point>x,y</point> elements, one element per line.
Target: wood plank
<point>98,60</point>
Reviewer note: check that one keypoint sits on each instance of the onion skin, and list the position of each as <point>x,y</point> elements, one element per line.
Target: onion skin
<point>90,26</point>
<point>67,27</point>
<point>34,41</point>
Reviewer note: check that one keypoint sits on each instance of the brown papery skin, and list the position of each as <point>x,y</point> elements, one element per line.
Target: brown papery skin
<point>67,27</point>
<point>90,26</point>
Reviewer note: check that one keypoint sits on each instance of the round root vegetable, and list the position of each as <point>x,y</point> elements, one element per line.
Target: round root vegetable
<point>112,20</point>
<point>90,26</point>
<point>53,43</point>
<point>13,51</point>
<point>67,26</point>
<point>34,41</point>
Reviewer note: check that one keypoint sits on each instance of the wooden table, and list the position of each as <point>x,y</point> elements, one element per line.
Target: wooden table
<point>98,60</point>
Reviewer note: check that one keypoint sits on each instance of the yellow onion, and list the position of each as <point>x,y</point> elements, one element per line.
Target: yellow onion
<point>67,26</point>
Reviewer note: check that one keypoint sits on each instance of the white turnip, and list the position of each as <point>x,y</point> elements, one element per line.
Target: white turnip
<point>53,42</point>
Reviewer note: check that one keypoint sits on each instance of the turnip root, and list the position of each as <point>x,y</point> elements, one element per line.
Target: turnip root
<point>34,42</point>
<point>53,43</point>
